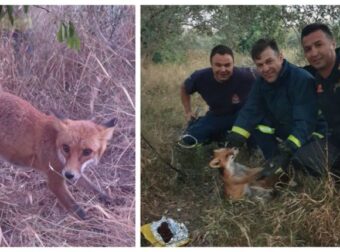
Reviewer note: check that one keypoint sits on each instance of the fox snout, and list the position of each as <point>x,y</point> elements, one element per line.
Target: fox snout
<point>70,175</point>
<point>75,172</point>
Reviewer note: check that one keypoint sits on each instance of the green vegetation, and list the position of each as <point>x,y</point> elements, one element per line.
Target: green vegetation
<point>176,40</point>
<point>67,34</point>
<point>169,31</point>
<point>8,9</point>
<point>17,21</point>
<point>96,83</point>
<point>302,215</point>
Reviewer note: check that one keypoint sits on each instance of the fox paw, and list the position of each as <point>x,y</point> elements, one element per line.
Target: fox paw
<point>79,212</point>
<point>105,199</point>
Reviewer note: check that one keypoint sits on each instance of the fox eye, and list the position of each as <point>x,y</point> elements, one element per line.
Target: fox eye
<point>66,148</point>
<point>87,152</point>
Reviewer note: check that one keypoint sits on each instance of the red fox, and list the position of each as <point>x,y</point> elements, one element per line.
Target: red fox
<point>61,148</point>
<point>239,180</point>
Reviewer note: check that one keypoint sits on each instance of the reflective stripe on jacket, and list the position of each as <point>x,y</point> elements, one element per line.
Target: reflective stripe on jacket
<point>289,104</point>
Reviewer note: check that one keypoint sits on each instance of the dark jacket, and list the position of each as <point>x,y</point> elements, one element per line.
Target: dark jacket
<point>328,91</point>
<point>289,105</point>
<point>225,98</point>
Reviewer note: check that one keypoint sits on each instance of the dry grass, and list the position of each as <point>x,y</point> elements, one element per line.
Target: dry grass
<point>95,83</point>
<point>305,215</point>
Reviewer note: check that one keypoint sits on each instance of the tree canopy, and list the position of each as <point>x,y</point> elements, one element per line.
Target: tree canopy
<point>168,30</point>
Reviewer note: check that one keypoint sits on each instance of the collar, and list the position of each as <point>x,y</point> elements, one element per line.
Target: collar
<point>284,70</point>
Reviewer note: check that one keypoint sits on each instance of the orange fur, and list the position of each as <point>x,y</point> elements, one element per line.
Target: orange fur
<point>239,180</point>
<point>59,148</point>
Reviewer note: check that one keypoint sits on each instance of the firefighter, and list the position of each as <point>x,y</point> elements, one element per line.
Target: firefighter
<point>224,87</point>
<point>281,110</point>
<point>320,51</point>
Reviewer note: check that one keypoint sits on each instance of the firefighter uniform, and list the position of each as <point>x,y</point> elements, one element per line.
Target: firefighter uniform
<point>285,109</point>
<point>224,101</point>
<point>323,154</point>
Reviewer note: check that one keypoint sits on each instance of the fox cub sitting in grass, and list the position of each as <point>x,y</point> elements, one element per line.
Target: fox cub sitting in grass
<point>61,148</point>
<point>239,180</point>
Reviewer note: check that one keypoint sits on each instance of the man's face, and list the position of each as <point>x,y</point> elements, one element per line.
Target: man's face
<point>222,67</point>
<point>319,50</point>
<point>269,64</point>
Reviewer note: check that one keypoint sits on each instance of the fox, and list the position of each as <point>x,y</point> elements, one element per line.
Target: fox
<point>58,147</point>
<point>239,180</point>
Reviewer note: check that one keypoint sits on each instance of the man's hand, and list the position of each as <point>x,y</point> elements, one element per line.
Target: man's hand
<point>190,117</point>
<point>235,140</point>
<point>279,163</point>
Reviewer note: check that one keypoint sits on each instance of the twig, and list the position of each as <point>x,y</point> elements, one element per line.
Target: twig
<point>39,7</point>
<point>161,158</point>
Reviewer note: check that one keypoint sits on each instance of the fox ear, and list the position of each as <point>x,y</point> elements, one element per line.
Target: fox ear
<point>109,128</point>
<point>111,123</point>
<point>215,163</point>
<point>107,133</point>
<point>58,125</point>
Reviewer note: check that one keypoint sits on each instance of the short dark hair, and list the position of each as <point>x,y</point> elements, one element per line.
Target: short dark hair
<point>221,49</point>
<point>315,27</point>
<point>261,45</point>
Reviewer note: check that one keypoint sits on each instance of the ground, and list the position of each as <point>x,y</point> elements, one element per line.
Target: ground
<point>305,215</point>
<point>95,83</point>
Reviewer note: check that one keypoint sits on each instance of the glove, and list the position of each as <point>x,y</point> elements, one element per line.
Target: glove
<point>278,163</point>
<point>235,140</point>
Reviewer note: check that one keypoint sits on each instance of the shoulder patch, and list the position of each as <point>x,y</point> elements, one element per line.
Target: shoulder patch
<point>235,99</point>
<point>319,88</point>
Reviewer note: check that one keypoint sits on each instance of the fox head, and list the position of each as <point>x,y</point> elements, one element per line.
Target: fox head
<point>80,143</point>
<point>223,158</point>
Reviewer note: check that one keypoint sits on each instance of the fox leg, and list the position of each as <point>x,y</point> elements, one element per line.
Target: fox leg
<point>86,182</point>
<point>261,192</point>
<point>249,177</point>
<point>57,185</point>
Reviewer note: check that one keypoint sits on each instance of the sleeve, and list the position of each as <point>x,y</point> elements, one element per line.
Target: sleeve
<point>304,99</point>
<point>190,84</point>
<point>251,114</point>
<point>321,126</point>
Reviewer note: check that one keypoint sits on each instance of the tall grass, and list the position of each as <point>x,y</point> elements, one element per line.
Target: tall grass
<point>303,215</point>
<point>95,83</point>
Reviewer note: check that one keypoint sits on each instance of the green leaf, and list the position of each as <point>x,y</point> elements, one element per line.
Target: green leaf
<point>69,42</point>
<point>63,31</point>
<point>73,43</point>
<point>2,14</point>
<point>10,13</point>
<point>71,29</point>
<point>60,35</point>
<point>26,9</point>
<point>77,43</point>
<point>68,34</point>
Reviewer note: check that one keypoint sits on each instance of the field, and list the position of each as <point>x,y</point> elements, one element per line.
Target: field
<point>96,83</point>
<point>306,214</point>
